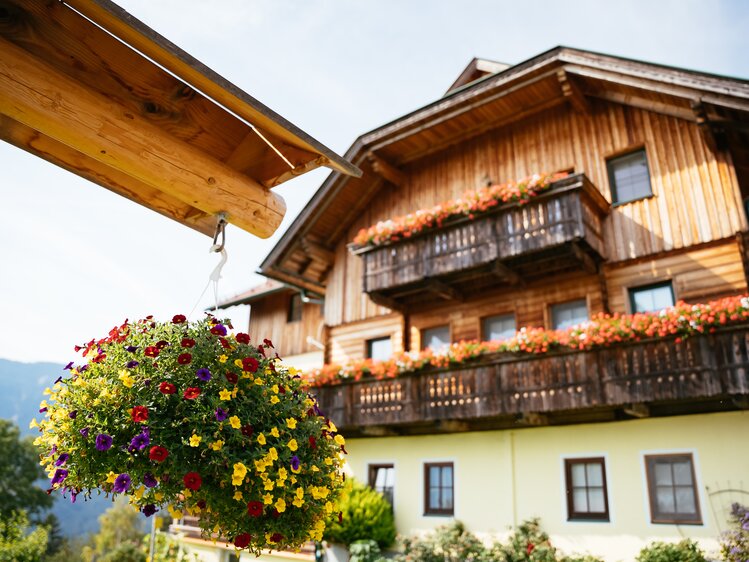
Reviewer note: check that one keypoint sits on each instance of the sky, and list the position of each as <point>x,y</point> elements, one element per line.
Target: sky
<point>78,259</point>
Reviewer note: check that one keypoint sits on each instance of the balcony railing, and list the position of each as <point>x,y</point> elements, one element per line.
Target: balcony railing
<point>643,378</point>
<point>561,229</point>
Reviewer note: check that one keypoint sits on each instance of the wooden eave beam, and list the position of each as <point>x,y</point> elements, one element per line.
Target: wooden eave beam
<point>443,290</point>
<point>386,170</point>
<point>50,102</point>
<point>317,251</point>
<point>588,263</point>
<point>506,274</point>
<point>388,302</point>
<point>713,133</point>
<point>572,92</point>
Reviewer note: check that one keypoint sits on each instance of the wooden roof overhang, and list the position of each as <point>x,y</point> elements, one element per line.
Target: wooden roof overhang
<point>720,105</point>
<point>86,86</point>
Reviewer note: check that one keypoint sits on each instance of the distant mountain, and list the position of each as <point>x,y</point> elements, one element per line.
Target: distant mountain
<point>21,388</point>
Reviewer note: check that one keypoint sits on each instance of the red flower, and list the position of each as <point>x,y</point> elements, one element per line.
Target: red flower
<point>139,413</point>
<point>224,343</point>
<point>99,358</point>
<point>179,319</point>
<point>161,344</point>
<point>187,342</point>
<point>232,378</point>
<point>312,442</point>
<point>184,359</point>
<point>268,343</point>
<point>192,481</point>
<point>191,392</point>
<point>255,509</point>
<point>243,338</point>
<point>151,351</point>
<point>276,537</point>
<point>243,540</point>
<point>167,388</point>
<point>530,548</point>
<point>247,430</point>
<point>158,453</point>
<point>250,364</point>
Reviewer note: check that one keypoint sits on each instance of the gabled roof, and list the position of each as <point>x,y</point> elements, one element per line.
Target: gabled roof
<point>256,293</point>
<point>476,69</point>
<point>719,104</point>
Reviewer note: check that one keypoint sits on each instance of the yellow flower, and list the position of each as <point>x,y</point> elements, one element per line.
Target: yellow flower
<point>235,423</point>
<point>280,505</point>
<point>33,423</point>
<point>111,477</point>
<point>283,474</point>
<point>328,461</point>
<point>292,479</point>
<point>260,466</point>
<point>158,496</point>
<point>274,388</point>
<point>274,432</point>
<point>292,445</point>
<point>332,427</point>
<point>299,502</point>
<point>216,445</point>
<point>138,494</point>
<point>195,440</point>
<point>238,363</point>
<point>174,512</point>
<point>328,508</point>
<point>126,379</point>
<point>273,454</point>
<point>225,394</point>
<point>238,496</point>
<point>339,439</point>
<point>300,492</point>
<point>269,485</point>
<point>274,399</point>
<point>291,423</point>
<point>314,468</point>
<point>268,499</point>
<point>187,493</point>
<point>223,358</point>
<point>259,381</point>
<point>261,439</point>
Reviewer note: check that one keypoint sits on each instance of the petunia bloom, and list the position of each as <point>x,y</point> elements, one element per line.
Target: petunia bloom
<point>191,393</point>
<point>62,459</point>
<point>187,342</point>
<point>60,475</point>
<point>84,432</point>
<point>295,463</point>
<point>243,540</point>
<point>150,480</point>
<point>167,388</point>
<point>132,364</point>
<point>243,338</point>
<point>184,359</point>
<point>250,364</point>
<point>139,442</point>
<point>192,481</point>
<point>218,330</point>
<point>203,374</point>
<point>149,509</point>
<point>139,414</point>
<point>247,430</point>
<point>255,508</point>
<point>158,453</point>
<point>151,351</point>
<point>122,483</point>
<point>220,414</point>
<point>179,319</point>
<point>103,442</point>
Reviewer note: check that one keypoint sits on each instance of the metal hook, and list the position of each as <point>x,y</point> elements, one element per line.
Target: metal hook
<point>220,229</point>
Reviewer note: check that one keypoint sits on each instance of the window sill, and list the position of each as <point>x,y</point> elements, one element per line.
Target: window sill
<point>622,203</point>
<point>677,522</point>
<point>438,514</point>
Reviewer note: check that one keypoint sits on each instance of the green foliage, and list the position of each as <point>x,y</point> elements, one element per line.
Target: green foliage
<point>17,544</point>
<point>119,526</point>
<point>684,551</point>
<point>527,543</point>
<point>70,551</point>
<point>734,544</point>
<point>364,551</point>
<point>367,515</point>
<point>19,469</point>
<point>167,549</point>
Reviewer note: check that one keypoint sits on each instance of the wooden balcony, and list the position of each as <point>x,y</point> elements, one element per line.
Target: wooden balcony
<point>655,377</point>
<point>556,231</point>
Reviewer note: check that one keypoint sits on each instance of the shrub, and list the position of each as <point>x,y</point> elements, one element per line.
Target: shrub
<point>364,515</point>
<point>364,551</point>
<point>734,544</point>
<point>684,551</point>
<point>527,543</point>
<point>449,543</point>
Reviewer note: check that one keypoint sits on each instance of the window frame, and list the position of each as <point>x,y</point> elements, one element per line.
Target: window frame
<point>632,290</point>
<point>368,346</point>
<point>422,347</point>
<point>372,478</point>
<point>550,309</point>
<point>428,510</point>
<point>573,515</point>
<point>615,202</point>
<point>657,517</point>
<point>485,319</point>
<point>290,316</point>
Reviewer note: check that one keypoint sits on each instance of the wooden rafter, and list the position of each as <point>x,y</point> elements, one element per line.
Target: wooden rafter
<point>572,92</point>
<point>443,290</point>
<point>386,170</point>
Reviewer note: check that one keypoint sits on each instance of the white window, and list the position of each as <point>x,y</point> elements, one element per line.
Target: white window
<point>566,314</point>
<point>651,298</point>
<point>379,349</point>
<point>437,339</point>
<point>498,327</point>
<point>629,177</point>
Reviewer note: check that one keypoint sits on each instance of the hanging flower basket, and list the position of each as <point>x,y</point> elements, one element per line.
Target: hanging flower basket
<point>187,417</point>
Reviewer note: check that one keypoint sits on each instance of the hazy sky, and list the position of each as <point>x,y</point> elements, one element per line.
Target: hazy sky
<point>76,259</point>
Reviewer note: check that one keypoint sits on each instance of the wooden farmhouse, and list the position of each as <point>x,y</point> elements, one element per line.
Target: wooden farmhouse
<point>611,445</point>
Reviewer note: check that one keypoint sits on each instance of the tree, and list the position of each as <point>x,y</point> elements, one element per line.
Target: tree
<point>120,531</point>
<point>17,544</point>
<point>19,469</point>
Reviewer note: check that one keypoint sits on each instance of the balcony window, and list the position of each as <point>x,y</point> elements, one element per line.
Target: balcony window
<point>650,298</point>
<point>587,497</point>
<point>382,479</point>
<point>294,313</point>
<point>629,177</point>
<point>437,339</point>
<point>498,327</point>
<point>566,314</point>
<point>438,488</point>
<point>379,349</point>
<point>672,490</point>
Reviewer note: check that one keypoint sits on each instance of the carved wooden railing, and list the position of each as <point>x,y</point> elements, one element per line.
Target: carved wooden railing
<point>570,212</point>
<point>664,371</point>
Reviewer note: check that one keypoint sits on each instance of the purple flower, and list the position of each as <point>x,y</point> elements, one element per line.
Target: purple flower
<point>149,509</point>
<point>121,483</point>
<point>132,364</point>
<point>295,462</point>
<point>58,379</point>
<point>103,442</point>
<point>72,415</point>
<point>84,368</point>
<point>62,459</point>
<point>53,451</point>
<point>131,349</point>
<point>60,475</point>
<point>68,366</point>
<point>219,330</point>
<point>84,432</point>
<point>220,414</point>
<point>42,410</point>
<point>203,374</point>
<point>150,480</point>
<point>139,442</point>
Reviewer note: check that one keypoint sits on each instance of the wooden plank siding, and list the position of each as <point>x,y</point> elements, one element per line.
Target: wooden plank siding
<point>268,319</point>
<point>349,342</point>
<point>696,199</point>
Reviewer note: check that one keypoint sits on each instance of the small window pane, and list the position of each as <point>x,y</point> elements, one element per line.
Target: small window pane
<point>596,500</point>
<point>380,349</point>
<point>685,500</point>
<point>381,478</point>
<point>434,498</point>
<point>682,473</point>
<point>663,474</point>
<point>295,308</point>
<point>652,298</point>
<point>665,498</point>
<point>437,339</point>
<point>578,474</point>
<point>498,327</point>
<point>389,476</point>
<point>629,177</point>
<point>568,314</point>
<point>447,477</point>
<point>447,498</point>
<point>434,475</point>
<point>580,500</point>
<point>594,474</point>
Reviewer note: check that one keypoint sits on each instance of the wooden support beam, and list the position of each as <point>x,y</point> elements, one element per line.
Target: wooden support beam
<point>533,419</point>
<point>444,290</point>
<point>386,170</point>
<point>637,411</point>
<point>589,263</point>
<point>452,426</point>
<point>506,274</point>
<point>317,251</point>
<point>572,92</point>
<point>378,431</point>
<point>713,133</point>
<point>388,302</point>
<point>46,100</point>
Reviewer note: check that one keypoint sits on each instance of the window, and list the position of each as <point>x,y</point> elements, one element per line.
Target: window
<point>379,349</point>
<point>382,479</point>
<point>568,314</point>
<point>672,490</point>
<point>650,298</point>
<point>437,339</point>
<point>498,327</point>
<point>438,488</point>
<point>629,177</point>
<point>587,497</point>
<point>295,308</point>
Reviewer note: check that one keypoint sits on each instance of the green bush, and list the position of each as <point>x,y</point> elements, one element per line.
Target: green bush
<point>364,551</point>
<point>365,515</point>
<point>684,551</point>
<point>527,543</point>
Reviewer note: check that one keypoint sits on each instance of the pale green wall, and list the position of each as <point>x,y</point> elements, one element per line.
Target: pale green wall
<point>487,472</point>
